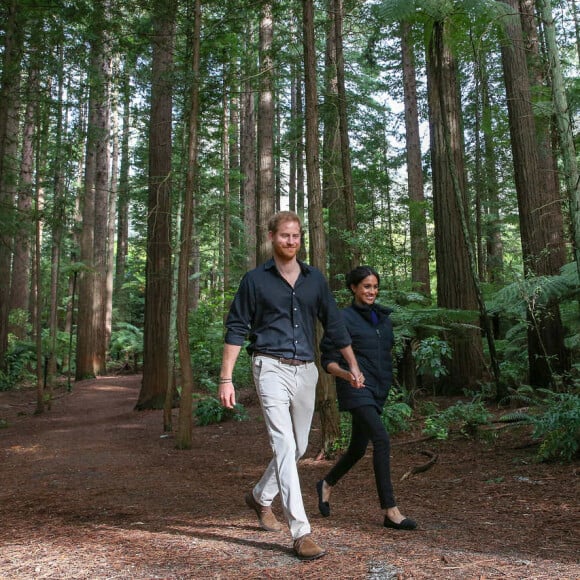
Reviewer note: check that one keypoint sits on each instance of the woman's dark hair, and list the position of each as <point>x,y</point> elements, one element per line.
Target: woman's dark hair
<point>354,277</point>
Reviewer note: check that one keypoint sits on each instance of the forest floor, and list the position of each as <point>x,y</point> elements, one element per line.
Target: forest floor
<point>92,489</point>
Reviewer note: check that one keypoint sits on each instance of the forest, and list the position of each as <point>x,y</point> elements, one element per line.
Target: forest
<point>145,144</point>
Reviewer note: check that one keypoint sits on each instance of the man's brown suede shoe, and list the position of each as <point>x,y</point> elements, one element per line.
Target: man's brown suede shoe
<point>265,514</point>
<point>307,549</point>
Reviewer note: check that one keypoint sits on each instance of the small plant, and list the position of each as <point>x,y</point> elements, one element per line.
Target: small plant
<point>396,413</point>
<point>18,359</point>
<point>343,439</point>
<point>209,411</point>
<point>555,418</point>
<point>126,343</point>
<point>464,417</point>
<point>430,356</point>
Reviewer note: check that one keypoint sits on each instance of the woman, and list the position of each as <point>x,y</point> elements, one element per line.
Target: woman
<point>372,339</point>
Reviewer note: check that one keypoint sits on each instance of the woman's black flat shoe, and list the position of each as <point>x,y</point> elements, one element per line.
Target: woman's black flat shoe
<point>323,506</point>
<point>406,524</point>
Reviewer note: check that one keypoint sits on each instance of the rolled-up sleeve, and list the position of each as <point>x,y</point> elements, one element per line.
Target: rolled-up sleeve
<point>240,316</point>
<point>329,353</point>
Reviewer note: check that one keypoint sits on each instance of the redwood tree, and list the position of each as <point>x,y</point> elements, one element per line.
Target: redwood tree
<point>156,372</point>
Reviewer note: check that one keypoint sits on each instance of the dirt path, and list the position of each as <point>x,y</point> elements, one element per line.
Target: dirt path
<point>94,490</point>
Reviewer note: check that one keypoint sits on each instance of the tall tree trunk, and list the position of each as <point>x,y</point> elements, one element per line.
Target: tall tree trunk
<point>23,240</point>
<point>112,217</point>
<point>57,222</point>
<point>248,157</point>
<point>455,285</point>
<point>417,215</point>
<point>266,199</point>
<point>347,188</point>
<point>494,243</point>
<point>156,372</point>
<point>91,338</point>
<point>184,431</point>
<point>9,112</point>
<point>565,132</point>
<point>119,294</point>
<point>227,254</point>
<point>325,392</point>
<point>332,181</point>
<point>541,242</point>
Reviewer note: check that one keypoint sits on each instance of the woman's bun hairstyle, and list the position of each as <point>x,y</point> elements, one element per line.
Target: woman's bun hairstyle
<point>354,277</point>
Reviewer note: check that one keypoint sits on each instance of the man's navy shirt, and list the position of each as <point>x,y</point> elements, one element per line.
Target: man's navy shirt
<point>281,320</point>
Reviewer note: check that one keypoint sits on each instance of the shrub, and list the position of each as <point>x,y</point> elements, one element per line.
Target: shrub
<point>18,359</point>
<point>555,418</point>
<point>464,417</point>
<point>209,410</point>
<point>430,356</point>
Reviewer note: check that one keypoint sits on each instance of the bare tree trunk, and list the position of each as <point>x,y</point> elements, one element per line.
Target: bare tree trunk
<point>455,284</point>
<point>565,131</point>
<point>325,392</point>
<point>248,162</point>
<point>332,180</point>
<point>156,372</point>
<point>21,262</point>
<point>494,243</point>
<point>111,219</point>
<point>9,112</point>
<point>91,339</point>
<point>119,294</point>
<point>541,242</point>
<point>266,200</point>
<point>227,256</point>
<point>347,189</point>
<point>417,215</point>
<point>184,431</point>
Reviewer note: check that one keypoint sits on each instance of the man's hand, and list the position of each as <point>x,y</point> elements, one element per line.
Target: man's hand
<point>357,379</point>
<point>227,394</point>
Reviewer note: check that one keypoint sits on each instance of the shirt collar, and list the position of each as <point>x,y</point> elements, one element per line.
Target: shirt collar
<point>304,268</point>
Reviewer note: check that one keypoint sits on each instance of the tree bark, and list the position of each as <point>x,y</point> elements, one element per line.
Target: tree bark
<point>541,241</point>
<point>156,372</point>
<point>9,112</point>
<point>266,198</point>
<point>325,392</point>
<point>91,345</point>
<point>248,160</point>
<point>455,285</point>
<point>184,431</point>
<point>332,181</point>
<point>420,277</point>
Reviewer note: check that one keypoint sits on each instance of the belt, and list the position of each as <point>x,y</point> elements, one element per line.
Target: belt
<point>285,361</point>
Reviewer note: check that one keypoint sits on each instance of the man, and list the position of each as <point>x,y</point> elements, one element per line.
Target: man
<point>276,306</point>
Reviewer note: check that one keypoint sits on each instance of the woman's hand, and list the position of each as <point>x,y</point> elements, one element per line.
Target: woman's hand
<point>356,381</point>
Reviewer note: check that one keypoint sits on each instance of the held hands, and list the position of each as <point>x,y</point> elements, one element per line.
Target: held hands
<point>356,378</point>
<point>227,394</point>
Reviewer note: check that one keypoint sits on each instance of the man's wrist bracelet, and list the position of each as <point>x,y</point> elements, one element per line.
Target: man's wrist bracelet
<point>225,380</point>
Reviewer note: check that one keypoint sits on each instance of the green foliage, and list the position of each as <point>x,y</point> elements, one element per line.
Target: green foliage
<point>430,356</point>
<point>463,417</point>
<point>206,331</point>
<point>342,441</point>
<point>558,425</point>
<point>555,418</point>
<point>536,292</point>
<point>20,356</point>
<point>126,342</point>
<point>209,411</point>
<point>396,413</point>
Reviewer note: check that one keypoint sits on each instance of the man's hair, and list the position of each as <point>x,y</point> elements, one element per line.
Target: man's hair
<point>281,217</point>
